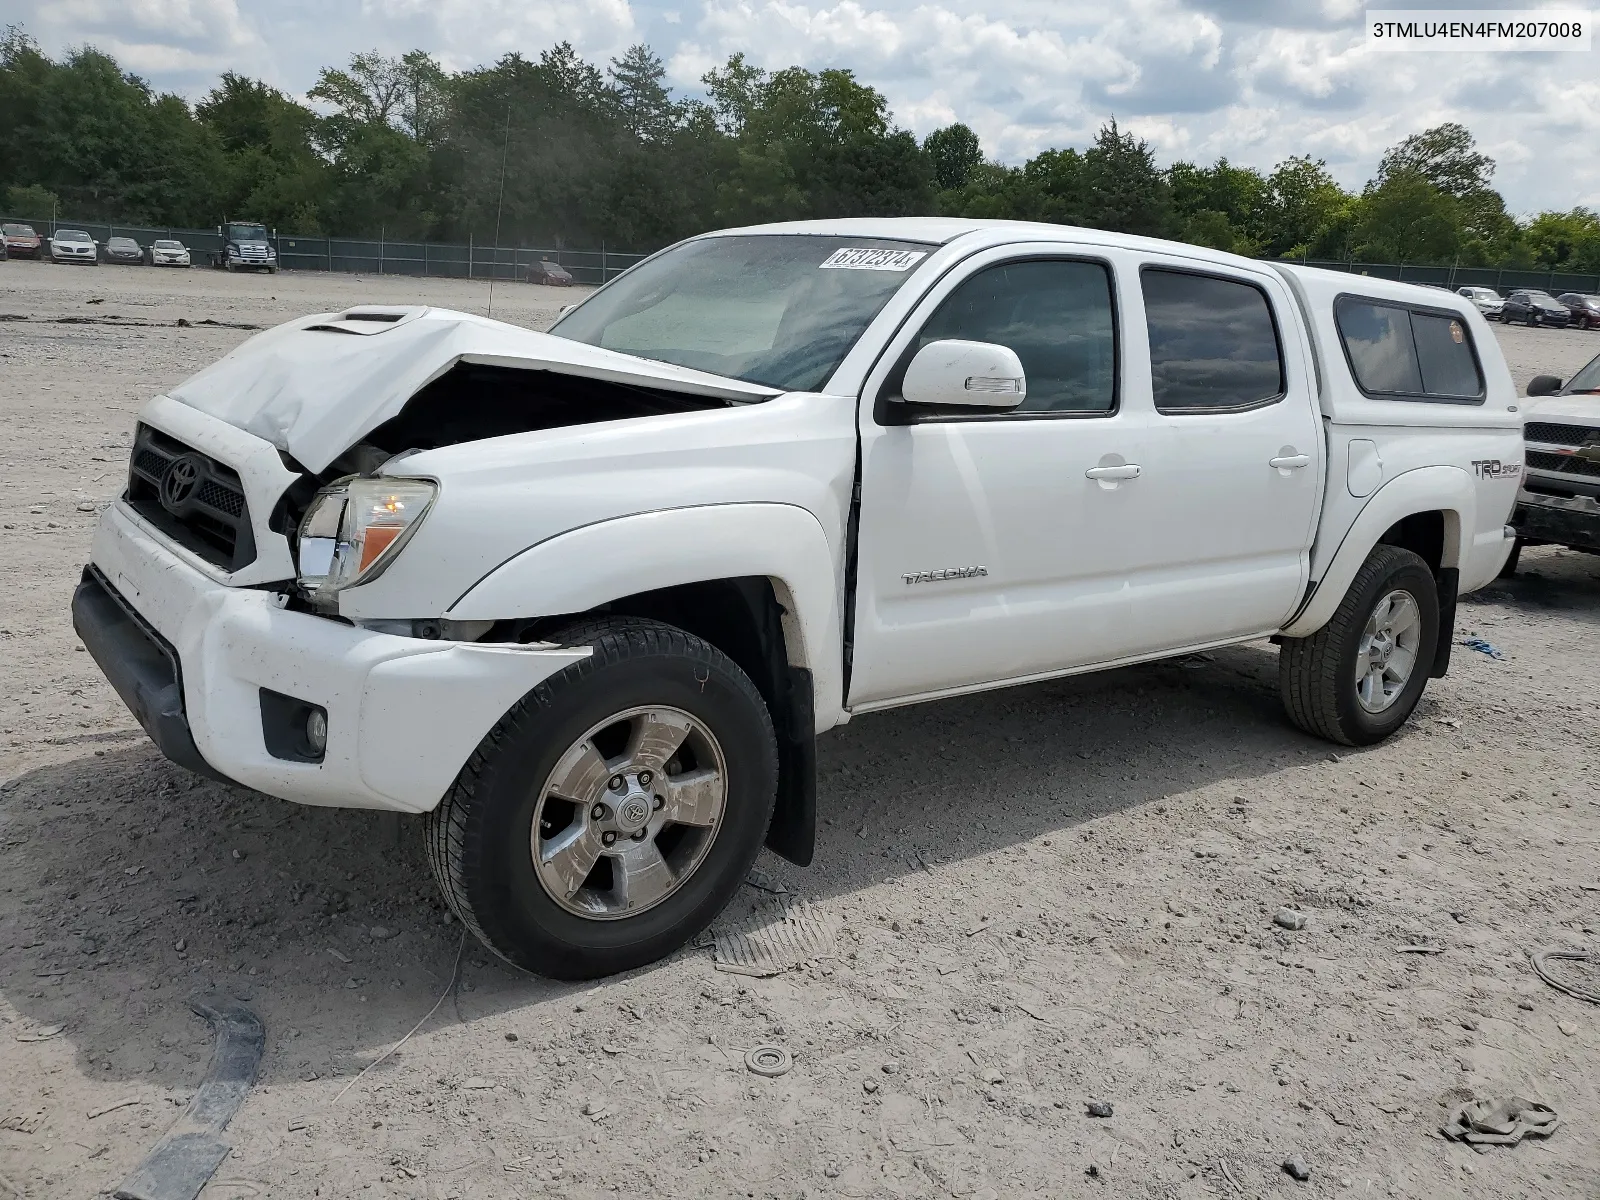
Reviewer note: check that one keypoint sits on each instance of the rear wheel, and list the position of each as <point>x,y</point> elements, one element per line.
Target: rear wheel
<point>1356,680</point>
<point>611,814</point>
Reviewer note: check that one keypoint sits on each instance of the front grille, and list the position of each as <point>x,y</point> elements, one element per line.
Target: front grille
<point>1552,434</point>
<point>192,498</point>
<point>1566,464</point>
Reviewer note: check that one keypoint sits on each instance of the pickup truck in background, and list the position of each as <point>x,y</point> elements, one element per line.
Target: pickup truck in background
<point>586,598</point>
<point>1560,500</point>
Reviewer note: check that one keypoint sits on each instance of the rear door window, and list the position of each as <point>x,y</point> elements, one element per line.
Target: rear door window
<point>1213,343</point>
<point>1408,353</point>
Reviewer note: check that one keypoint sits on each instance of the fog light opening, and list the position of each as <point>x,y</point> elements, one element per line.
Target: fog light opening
<point>317,731</point>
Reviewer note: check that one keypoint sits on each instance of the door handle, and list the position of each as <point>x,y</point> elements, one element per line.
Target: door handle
<point>1125,471</point>
<point>1289,461</point>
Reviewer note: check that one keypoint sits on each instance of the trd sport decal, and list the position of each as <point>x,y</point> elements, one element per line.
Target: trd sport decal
<point>1493,468</point>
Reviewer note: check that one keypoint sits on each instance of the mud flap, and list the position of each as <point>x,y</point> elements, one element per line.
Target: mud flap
<point>793,832</point>
<point>1449,584</point>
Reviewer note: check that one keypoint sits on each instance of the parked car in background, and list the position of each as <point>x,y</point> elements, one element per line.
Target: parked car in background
<point>165,252</point>
<point>124,250</point>
<point>1584,310</point>
<point>1487,301</point>
<point>1533,307</point>
<point>1559,503</point>
<point>20,241</point>
<point>73,245</point>
<point>545,271</point>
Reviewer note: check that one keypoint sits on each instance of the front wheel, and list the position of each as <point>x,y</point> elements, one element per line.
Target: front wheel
<point>1356,680</point>
<point>612,813</point>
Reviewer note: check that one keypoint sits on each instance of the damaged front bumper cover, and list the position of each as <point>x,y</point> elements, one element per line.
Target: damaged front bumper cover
<point>193,659</point>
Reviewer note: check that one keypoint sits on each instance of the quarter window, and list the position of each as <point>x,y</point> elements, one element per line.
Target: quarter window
<point>1055,314</point>
<point>1213,343</point>
<point>1408,353</point>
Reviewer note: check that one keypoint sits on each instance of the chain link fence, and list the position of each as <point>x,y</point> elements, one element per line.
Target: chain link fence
<point>370,256</point>
<point>1501,279</point>
<point>477,260</point>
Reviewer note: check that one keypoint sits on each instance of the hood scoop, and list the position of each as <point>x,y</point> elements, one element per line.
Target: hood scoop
<point>366,320</point>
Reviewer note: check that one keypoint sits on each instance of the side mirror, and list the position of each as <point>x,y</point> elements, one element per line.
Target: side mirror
<point>965,374</point>
<point>1544,385</point>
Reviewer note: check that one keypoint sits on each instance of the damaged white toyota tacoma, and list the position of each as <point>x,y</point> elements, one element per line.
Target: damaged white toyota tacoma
<point>586,598</point>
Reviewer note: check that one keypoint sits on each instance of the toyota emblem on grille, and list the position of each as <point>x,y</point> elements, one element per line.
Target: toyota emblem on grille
<point>179,483</point>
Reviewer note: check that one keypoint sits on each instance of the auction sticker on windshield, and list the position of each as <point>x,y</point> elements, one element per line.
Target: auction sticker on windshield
<point>847,258</point>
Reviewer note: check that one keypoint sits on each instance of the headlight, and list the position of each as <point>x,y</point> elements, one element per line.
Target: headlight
<point>355,527</point>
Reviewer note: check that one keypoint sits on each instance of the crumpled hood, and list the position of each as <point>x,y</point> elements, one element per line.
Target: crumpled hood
<point>315,386</point>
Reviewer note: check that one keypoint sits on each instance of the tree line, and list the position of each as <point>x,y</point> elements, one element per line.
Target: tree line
<point>557,150</point>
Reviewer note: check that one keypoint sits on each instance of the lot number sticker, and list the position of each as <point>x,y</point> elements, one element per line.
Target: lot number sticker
<point>847,258</point>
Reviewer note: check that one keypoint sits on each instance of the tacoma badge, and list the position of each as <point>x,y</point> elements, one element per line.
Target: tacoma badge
<point>948,573</point>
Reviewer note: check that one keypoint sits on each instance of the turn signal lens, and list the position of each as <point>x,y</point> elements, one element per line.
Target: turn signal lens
<point>356,526</point>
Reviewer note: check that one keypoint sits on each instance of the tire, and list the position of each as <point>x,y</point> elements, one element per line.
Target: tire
<point>481,838</point>
<point>1510,567</point>
<point>1532,319</point>
<point>228,266</point>
<point>1317,675</point>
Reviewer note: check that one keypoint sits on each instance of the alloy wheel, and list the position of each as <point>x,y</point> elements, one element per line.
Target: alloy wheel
<point>1388,651</point>
<point>629,812</point>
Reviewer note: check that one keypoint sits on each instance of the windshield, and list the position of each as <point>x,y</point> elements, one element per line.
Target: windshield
<point>166,245</point>
<point>71,235</point>
<point>18,230</point>
<point>1586,380</point>
<point>776,309</point>
<point>124,243</point>
<point>247,233</point>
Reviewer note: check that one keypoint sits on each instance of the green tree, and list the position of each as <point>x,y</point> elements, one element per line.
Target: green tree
<point>31,202</point>
<point>1565,241</point>
<point>647,107</point>
<point>1405,218</point>
<point>1446,156</point>
<point>1304,205</point>
<point>1123,190</point>
<point>955,154</point>
<point>1222,206</point>
<point>272,171</point>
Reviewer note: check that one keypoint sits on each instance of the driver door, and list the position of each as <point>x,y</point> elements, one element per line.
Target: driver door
<point>987,550</point>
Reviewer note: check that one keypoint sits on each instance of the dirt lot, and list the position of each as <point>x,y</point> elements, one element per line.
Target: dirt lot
<point>1047,896</point>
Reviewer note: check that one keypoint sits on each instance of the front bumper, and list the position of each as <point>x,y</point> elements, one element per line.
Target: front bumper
<point>191,657</point>
<point>1559,520</point>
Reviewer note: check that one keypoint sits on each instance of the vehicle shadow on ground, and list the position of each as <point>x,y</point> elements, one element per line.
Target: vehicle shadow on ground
<point>1547,580</point>
<point>130,884</point>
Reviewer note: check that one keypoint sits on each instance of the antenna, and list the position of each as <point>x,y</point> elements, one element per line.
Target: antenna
<point>498,208</point>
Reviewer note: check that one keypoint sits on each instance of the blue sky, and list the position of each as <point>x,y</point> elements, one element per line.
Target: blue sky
<point>1255,80</point>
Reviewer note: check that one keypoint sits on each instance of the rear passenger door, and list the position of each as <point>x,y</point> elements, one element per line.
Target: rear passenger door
<point>1234,464</point>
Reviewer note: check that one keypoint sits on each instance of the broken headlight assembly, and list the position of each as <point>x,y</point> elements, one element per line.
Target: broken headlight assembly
<point>354,528</point>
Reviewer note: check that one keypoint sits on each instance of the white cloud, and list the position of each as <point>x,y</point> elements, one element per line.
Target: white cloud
<point>466,33</point>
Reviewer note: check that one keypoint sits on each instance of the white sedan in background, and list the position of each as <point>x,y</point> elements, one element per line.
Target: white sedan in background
<point>167,253</point>
<point>74,245</point>
<point>1487,301</point>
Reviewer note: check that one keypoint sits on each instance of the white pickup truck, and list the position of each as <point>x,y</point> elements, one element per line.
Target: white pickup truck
<point>586,598</point>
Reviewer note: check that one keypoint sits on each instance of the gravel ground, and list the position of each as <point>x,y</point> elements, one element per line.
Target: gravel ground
<point>1048,896</point>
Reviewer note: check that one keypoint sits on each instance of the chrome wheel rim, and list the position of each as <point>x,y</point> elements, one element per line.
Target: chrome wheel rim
<point>629,812</point>
<point>1388,652</point>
